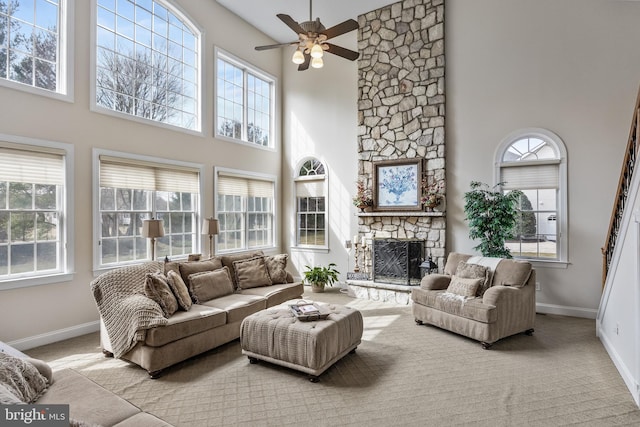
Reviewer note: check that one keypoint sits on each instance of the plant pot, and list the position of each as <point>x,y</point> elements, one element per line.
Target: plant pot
<point>317,287</point>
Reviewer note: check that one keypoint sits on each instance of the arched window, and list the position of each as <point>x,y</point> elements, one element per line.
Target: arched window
<point>534,161</point>
<point>311,204</point>
<point>147,62</point>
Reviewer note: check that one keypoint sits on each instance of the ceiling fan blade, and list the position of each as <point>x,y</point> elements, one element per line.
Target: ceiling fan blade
<point>273,46</point>
<point>342,28</point>
<point>291,23</point>
<point>305,64</point>
<point>341,51</point>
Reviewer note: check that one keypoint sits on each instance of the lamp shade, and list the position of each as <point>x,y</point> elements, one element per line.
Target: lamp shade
<point>210,226</point>
<point>152,228</point>
<point>317,51</point>
<point>317,63</point>
<point>298,57</point>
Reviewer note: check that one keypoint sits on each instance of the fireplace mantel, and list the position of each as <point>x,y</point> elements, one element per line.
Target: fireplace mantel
<point>399,213</point>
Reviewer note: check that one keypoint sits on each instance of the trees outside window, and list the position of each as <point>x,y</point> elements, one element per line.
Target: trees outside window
<point>30,42</point>
<point>148,62</point>
<point>244,102</point>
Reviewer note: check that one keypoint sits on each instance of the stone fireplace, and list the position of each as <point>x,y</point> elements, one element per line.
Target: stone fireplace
<point>401,112</point>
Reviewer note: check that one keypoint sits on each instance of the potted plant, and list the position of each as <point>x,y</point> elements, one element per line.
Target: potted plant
<point>318,277</point>
<point>492,217</point>
<point>363,197</point>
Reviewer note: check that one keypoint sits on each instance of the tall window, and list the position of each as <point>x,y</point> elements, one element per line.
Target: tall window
<point>32,43</point>
<point>33,210</point>
<point>147,62</point>
<point>244,107</point>
<point>311,206</point>
<point>245,210</point>
<point>133,190</point>
<point>534,162</point>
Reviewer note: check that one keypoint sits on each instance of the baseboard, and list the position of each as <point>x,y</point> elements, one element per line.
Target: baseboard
<point>564,310</point>
<point>626,375</point>
<point>55,336</point>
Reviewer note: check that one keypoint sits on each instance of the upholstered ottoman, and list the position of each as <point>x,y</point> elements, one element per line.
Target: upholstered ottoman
<point>275,335</point>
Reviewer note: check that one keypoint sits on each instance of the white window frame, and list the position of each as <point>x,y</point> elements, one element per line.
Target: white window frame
<point>67,222</point>
<point>65,60</point>
<point>246,68</point>
<point>562,203</point>
<point>200,91</point>
<point>248,175</point>
<point>325,191</point>
<point>98,267</point>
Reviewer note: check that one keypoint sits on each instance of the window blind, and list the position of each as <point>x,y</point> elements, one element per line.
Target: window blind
<point>310,188</point>
<point>247,187</point>
<point>141,175</point>
<point>32,166</point>
<point>529,177</point>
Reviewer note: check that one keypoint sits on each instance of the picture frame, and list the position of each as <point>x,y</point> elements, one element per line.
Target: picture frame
<point>397,185</point>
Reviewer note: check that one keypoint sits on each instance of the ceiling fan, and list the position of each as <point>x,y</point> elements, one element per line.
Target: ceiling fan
<point>312,40</point>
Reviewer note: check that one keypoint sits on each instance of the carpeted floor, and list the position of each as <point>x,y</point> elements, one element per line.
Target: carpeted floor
<point>401,375</point>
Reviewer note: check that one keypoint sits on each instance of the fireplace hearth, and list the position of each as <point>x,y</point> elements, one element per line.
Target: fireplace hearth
<point>397,261</point>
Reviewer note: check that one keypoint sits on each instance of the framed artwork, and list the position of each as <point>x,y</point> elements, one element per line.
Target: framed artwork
<point>397,185</point>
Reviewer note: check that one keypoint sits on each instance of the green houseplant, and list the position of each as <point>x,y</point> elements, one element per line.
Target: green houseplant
<point>492,217</point>
<point>318,277</point>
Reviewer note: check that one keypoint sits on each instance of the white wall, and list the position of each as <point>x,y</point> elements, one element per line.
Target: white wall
<point>320,120</point>
<point>568,66</point>
<point>43,310</point>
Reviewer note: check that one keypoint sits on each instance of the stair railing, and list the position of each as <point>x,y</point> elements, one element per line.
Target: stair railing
<point>624,184</point>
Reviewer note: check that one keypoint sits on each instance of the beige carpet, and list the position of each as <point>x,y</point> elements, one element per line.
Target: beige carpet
<point>401,375</point>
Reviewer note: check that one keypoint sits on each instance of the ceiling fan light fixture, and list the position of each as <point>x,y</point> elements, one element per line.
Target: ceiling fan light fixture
<point>298,57</point>
<point>317,63</point>
<point>317,51</point>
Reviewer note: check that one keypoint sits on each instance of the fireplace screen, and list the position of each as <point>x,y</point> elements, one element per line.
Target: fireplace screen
<point>397,261</point>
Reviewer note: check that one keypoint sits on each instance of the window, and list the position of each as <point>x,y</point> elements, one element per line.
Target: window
<point>311,207</point>
<point>33,44</point>
<point>134,189</point>
<point>34,210</point>
<point>147,62</point>
<point>534,162</point>
<point>245,106</point>
<point>245,210</point>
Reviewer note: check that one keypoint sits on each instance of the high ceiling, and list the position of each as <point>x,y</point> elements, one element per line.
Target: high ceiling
<point>262,13</point>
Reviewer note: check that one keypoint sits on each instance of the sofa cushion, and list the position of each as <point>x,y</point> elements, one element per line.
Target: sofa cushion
<point>512,273</point>
<point>21,378</point>
<point>185,323</point>
<point>157,288</point>
<point>91,403</point>
<point>464,287</point>
<point>190,267</point>
<point>251,273</point>
<point>453,260</point>
<point>179,289</point>
<point>227,261</point>
<point>466,270</point>
<point>277,268</point>
<point>469,308</point>
<point>435,281</point>
<point>238,306</point>
<point>276,294</point>
<point>208,285</point>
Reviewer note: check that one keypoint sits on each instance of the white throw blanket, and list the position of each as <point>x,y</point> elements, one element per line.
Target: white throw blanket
<point>126,311</point>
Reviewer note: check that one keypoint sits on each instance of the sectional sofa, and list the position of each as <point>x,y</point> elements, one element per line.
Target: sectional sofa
<point>141,323</point>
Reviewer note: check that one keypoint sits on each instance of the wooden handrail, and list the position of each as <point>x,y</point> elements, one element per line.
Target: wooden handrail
<point>624,184</point>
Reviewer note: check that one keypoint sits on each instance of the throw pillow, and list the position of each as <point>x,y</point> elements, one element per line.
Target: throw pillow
<point>21,379</point>
<point>453,260</point>
<point>276,267</point>
<point>251,273</point>
<point>475,271</point>
<point>194,257</point>
<point>157,288</point>
<point>512,273</point>
<point>190,267</point>
<point>207,285</point>
<point>464,287</point>
<point>8,398</point>
<point>228,260</point>
<point>179,289</point>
